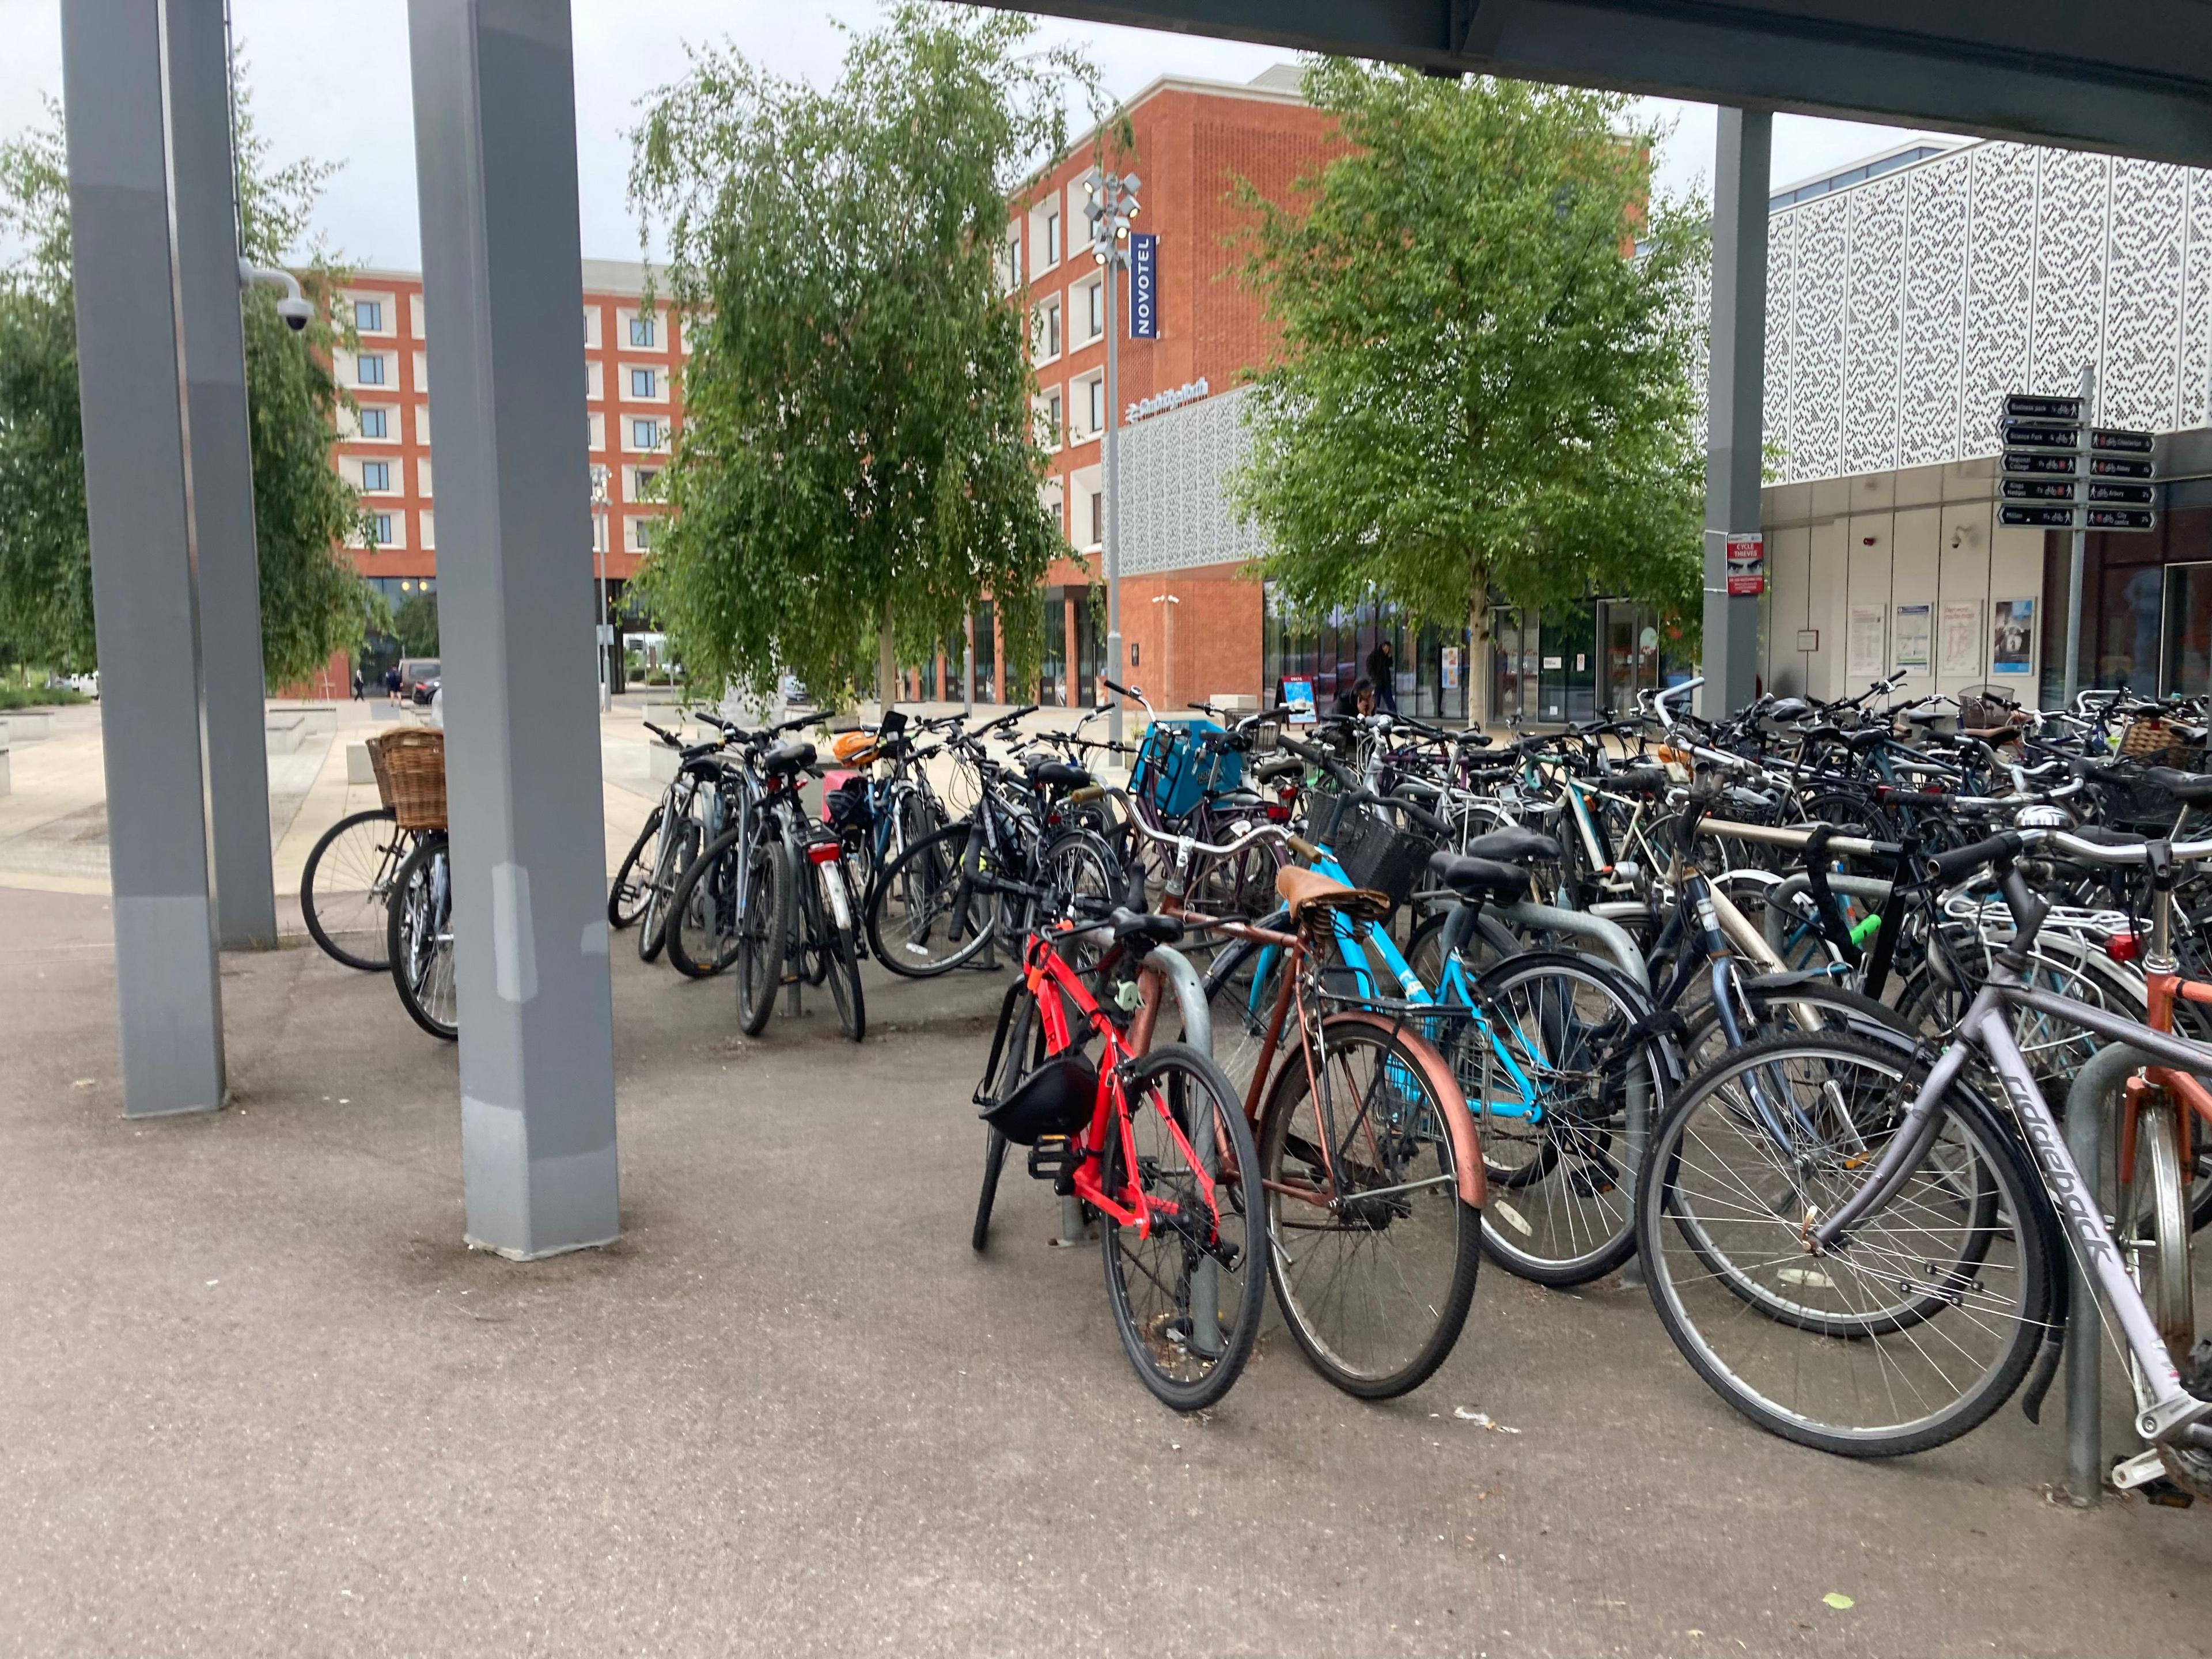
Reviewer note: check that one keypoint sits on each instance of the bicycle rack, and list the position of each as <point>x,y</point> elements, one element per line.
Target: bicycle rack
<point>2095,1089</point>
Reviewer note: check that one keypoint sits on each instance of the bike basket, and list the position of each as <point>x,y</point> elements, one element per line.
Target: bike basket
<point>1175,773</point>
<point>1377,854</point>
<point>1323,808</point>
<point>411,774</point>
<point>2133,804</point>
<point>1054,1099</point>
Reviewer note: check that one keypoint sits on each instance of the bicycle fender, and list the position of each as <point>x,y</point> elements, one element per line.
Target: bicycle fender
<point>1437,1071</point>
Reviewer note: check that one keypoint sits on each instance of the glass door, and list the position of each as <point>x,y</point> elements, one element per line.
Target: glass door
<point>2187,661</point>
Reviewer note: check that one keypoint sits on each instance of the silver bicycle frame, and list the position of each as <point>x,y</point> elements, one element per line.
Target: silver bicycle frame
<point>2164,1409</point>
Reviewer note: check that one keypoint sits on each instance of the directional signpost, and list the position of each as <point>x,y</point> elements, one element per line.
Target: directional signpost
<point>2058,472</point>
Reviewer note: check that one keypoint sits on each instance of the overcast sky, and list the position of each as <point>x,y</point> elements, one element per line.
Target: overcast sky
<point>331,82</point>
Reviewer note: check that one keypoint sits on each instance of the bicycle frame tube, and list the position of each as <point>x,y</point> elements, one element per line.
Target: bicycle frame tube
<point>2168,1407</point>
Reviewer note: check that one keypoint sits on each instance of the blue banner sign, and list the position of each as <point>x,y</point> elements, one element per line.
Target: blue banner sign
<point>1145,287</point>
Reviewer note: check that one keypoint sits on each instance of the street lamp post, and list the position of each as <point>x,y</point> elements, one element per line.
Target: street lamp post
<point>599,561</point>
<point>1113,205</point>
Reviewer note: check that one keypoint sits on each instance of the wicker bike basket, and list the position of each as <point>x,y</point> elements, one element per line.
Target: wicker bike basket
<point>2158,742</point>
<point>411,774</point>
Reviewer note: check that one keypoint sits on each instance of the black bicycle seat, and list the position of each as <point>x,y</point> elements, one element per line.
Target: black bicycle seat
<point>1278,766</point>
<point>789,756</point>
<point>1058,775</point>
<point>1146,926</point>
<point>1515,844</point>
<point>1479,879</point>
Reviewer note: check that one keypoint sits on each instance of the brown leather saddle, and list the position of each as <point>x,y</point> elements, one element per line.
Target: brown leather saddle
<point>1311,894</point>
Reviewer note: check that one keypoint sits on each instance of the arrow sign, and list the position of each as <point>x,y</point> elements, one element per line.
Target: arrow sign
<point>2037,518</point>
<point>2018,462</point>
<point>2126,494</point>
<point>2021,435</point>
<point>2042,489</point>
<point>2020,407</point>
<point>2114,440</point>
<point>2113,467</point>
<point>2120,517</point>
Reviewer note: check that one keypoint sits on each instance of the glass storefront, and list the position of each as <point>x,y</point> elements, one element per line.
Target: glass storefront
<point>1052,677</point>
<point>1573,662</point>
<point>1343,648</point>
<point>986,652</point>
<point>2147,604</point>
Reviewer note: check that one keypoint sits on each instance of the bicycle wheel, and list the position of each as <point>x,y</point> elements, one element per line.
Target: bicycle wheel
<point>419,938</point>
<point>626,898</point>
<point>344,887</point>
<point>1186,1293</point>
<point>927,918</point>
<point>1816,1005</point>
<point>2153,1234</point>
<point>1560,1070</point>
<point>1907,1334</point>
<point>1023,1049</point>
<point>1241,988</point>
<point>763,932</point>
<point>842,958</point>
<point>679,846</point>
<point>701,934</point>
<point>1374,1253</point>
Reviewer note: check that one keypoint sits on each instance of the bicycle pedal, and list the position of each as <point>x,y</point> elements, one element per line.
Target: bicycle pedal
<point>2145,1473</point>
<point>1053,1158</point>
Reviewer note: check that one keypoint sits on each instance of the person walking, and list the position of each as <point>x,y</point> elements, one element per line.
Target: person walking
<point>356,683</point>
<point>391,682</point>
<point>1384,672</point>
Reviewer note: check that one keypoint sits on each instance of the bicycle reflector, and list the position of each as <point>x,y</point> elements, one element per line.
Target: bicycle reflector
<point>2122,947</point>
<point>822,851</point>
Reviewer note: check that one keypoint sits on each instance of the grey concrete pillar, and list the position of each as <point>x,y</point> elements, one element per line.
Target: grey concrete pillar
<point>1734,428</point>
<point>495,165</point>
<point>130,381</point>
<point>202,171</point>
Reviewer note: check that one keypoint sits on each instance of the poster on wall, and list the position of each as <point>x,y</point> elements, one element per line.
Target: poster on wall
<point>1961,639</point>
<point>1450,668</point>
<point>1863,644</point>
<point>1913,622</point>
<point>1297,696</point>
<point>2012,637</point>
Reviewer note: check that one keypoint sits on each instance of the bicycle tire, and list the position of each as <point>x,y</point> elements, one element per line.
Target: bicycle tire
<point>707,870</point>
<point>1150,1339</point>
<point>763,933</point>
<point>2017,1221</point>
<point>916,897</point>
<point>1014,1063</point>
<point>679,848</point>
<point>626,898</point>
<point>332,917</point>
<point>842,961</point>
<point>1565,1216</point>
<point>1444,1222</point>
<point>412,970</point>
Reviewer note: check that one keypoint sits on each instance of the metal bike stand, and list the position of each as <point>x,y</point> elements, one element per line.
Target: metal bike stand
<point>2096,1086</point>
<point>1618,943</point>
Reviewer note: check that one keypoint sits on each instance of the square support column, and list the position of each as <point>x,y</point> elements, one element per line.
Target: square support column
<point>129,379</point>
<point>1734,428</point>
<point>202,171</point>
<point>503,279</point>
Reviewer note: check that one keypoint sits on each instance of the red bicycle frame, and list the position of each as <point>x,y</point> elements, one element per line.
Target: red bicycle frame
<point>1054,984</point>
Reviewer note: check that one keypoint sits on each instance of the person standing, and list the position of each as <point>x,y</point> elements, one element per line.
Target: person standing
<point>1384,672</point>
<point>356,683</point>
<point>391,682</point>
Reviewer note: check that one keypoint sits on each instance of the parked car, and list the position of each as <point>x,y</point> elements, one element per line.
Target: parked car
<point>418,678</point>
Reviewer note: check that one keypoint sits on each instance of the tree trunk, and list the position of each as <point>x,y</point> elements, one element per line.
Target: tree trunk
<point>1473,682</point>
<point>886,664</point>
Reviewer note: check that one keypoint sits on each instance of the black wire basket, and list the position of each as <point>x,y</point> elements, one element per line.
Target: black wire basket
<point>1378,855</point>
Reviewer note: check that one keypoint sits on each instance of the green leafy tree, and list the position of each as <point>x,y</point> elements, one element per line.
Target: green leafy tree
<point>1479,390</point>
<point>416,625</point>
<point>313,605</point>
<point>859,447</point>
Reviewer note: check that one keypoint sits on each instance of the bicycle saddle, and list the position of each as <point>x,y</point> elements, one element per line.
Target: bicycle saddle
<point>1277,766</point>
<point>1308,891</point>
<point>1058,775</point>
<point>1237,800</point>
<point>1516,844</point>
<point>789,756</point>
<point>1146,926</point>
<point>1478,878</point>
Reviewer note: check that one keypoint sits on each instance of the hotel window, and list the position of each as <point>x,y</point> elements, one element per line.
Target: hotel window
<point>422,424</point>
<point>641,535</point>
<point>1011,266</point>
<point>641,330</point>
<point>372,424</point>
<point>593,386</point>
<point>1094,391</point>
<point>1094,309</point>
<point>642,482</point>
<point>1099,519</point>
<point>1051,237</point>
<point>599,440</point>
<point>423,477</point>
<point>645,434</point>
<point>591,325</point>
<point>429,526</point>
<point>422,372</point>
<point>376,476</point>
<point>380,529</point>
<point>368,370</point>
<point>641,383</point>
<point>368,316</point>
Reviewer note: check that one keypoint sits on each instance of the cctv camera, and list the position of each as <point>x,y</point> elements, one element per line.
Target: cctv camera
<point>296,313</point>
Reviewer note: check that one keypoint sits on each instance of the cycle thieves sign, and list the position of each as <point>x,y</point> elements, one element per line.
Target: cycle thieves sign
<point>1747,563</point>
<point>1145,287</point>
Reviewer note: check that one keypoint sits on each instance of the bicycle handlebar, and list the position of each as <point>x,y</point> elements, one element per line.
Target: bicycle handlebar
<point>1238,844</point>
